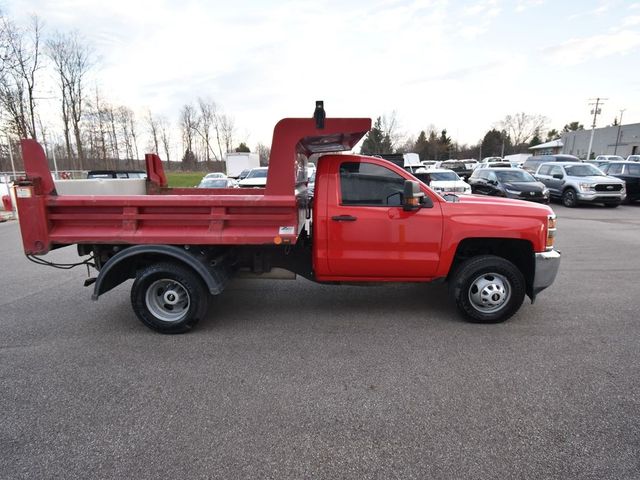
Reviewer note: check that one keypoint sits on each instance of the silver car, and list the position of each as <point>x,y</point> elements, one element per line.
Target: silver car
<point>575,183</point>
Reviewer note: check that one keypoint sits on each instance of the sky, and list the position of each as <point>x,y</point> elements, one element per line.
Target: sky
<point>459,65</point>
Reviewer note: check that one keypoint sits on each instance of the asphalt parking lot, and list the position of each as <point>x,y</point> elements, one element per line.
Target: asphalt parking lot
<point>288,379</point>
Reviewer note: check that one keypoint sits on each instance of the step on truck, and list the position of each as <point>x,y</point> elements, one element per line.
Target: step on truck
<point>368,221</point>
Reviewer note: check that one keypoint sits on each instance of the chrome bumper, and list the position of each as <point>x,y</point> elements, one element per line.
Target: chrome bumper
<point>547,264</point>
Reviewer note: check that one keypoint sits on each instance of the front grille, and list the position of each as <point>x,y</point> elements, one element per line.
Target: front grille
<point>611,187</point>
<point>526,195</point>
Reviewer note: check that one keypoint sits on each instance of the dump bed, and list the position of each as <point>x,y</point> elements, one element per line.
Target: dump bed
<point>164,215</point>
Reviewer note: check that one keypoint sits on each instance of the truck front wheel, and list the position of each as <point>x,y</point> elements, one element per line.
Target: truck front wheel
<point>169,298</point>
<point>487,289</point>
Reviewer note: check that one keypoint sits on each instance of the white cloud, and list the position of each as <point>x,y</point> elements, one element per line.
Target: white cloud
<point>604,7</point>
<point>523,5</point>
<point>486,8</point>
<point>580,50</point>
<point>631,21</point>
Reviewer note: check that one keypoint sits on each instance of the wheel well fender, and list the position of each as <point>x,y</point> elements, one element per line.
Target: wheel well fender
<point>518,251</point>
<point>124,265</point>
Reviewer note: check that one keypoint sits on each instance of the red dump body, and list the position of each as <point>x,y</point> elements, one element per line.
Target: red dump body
<point>163,215</point>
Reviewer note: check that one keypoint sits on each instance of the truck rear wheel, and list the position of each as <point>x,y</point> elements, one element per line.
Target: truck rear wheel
<point>169,298</point>
<point>487,289</point>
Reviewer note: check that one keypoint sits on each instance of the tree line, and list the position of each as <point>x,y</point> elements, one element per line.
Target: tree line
<point>513,134</point>
<point>92,131</point>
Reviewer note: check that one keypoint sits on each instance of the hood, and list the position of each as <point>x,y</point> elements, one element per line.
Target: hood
<point>447,184</point>
<point>599,179</point>
<point>525,186</point>
<point>501,205</point>
<point>253,182</point>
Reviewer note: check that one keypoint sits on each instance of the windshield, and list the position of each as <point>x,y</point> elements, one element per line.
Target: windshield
<point>582,170</point>
<point>515,176</point>
<point>444,176</point>
<point>257,173</point>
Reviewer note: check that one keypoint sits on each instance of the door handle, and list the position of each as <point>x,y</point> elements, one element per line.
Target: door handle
<point>344,218</point>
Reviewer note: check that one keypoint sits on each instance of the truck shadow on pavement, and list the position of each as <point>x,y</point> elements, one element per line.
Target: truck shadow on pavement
<point>254,302</point>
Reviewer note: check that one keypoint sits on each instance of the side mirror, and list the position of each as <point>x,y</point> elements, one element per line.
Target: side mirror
<point>413,196</point>
<point>557,176</point>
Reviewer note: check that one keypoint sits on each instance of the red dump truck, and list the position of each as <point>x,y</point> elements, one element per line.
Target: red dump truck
<point>369,221</point>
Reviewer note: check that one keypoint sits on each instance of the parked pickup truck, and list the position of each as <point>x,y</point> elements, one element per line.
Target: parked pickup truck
<point>370,221</point>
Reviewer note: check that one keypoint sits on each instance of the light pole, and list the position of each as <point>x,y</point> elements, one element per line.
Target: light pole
<point>615,149</point>
<point>596,112</point>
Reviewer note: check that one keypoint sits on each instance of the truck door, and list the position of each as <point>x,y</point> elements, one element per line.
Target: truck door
<point>370,235</point>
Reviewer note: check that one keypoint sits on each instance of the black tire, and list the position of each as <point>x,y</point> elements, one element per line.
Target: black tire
<point>569,198</point>
<point>490,303</point>
<point>611,205</point>
<point>169,298</point>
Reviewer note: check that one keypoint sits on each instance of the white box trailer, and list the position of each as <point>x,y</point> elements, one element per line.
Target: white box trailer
<point>239,161</point>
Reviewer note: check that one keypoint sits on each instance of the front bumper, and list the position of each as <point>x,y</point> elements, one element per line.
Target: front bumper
<point>547,264</point>
<point>600,197</point>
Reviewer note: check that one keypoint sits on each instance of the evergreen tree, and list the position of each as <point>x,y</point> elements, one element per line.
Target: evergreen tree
<point>552,134</point>
<point>572,127</point>
<point>421,147</point>
<point>376,140</point>
<point>243,148</point>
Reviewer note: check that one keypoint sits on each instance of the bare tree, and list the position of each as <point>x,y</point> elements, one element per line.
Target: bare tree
<point>111,118</point>
<point>71,57</point>
<point>208,118</point>
<point>126,121</point>
<point>165,138</point>
<point>189,125</point>
<point>227,129</point>
<point>20,61</point>
<point>152,125</point>
<point>390,128</point>
<point>522,126</point>
<point>99,120</point>
<point>263,152</point>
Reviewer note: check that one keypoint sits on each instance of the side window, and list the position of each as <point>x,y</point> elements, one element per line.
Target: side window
<point>544,170</point>
<point>368,184</point>
<point>556,170</point>
<point>633,169</point>
<point>615,169</point>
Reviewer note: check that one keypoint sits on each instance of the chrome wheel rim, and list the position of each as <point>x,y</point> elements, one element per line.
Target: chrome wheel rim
<point>167,300</point>
<point>489,292</point>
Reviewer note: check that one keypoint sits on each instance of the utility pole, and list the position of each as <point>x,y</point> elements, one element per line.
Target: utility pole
<point>596,112</point>
<point>615,150</point>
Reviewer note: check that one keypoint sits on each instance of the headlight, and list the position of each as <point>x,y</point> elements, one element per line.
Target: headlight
<point>513,192</point>
<point>586,187</point>
<point>545,192</point>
